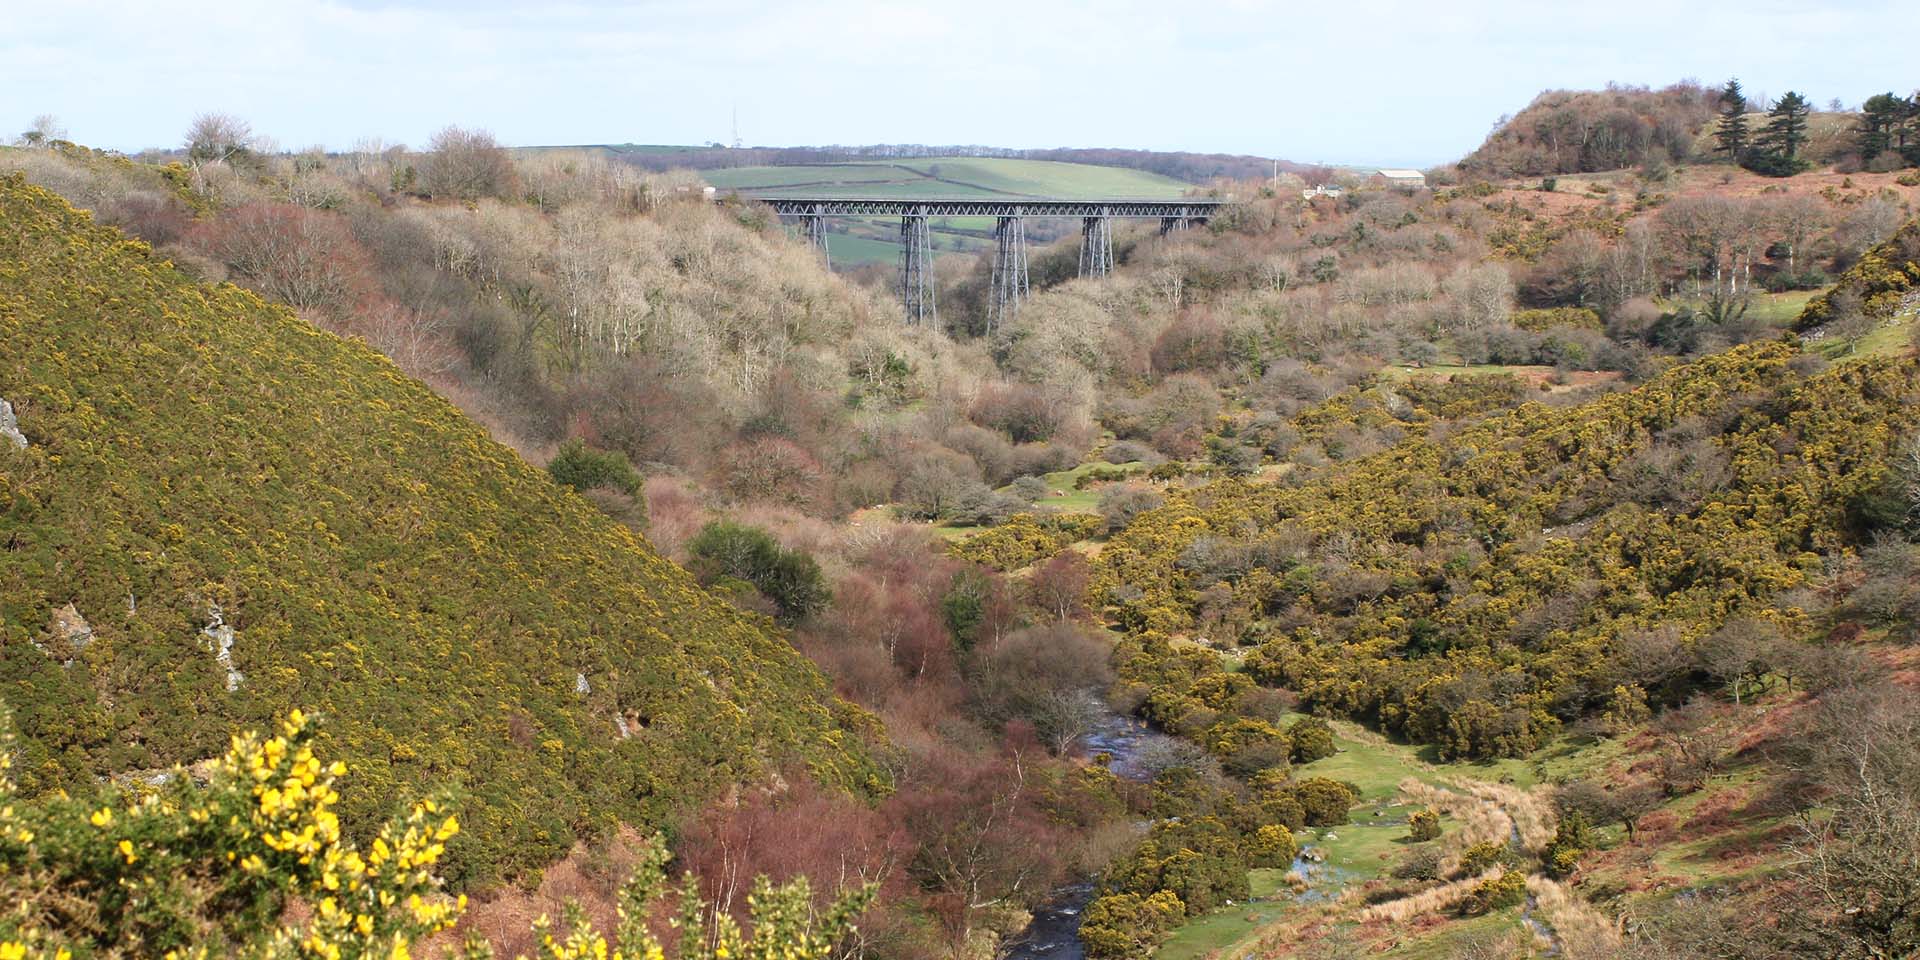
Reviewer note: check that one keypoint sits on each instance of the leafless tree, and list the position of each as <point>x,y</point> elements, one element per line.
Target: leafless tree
<point>1906,470</point>
<point>45,130</point>
<point>1482,295</point>
<point>466,165</point>
<point>217,139</point>
<point>1717,238</point>
<point>1861,865</point>
<point>1796,218</point>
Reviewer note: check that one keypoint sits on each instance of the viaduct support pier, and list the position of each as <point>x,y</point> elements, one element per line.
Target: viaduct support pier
<point>1010,284</point>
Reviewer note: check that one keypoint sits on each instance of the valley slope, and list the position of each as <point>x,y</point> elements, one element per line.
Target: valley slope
<point>222,511</point>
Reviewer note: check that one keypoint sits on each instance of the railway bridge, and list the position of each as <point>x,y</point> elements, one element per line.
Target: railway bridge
<point>1009,284</point>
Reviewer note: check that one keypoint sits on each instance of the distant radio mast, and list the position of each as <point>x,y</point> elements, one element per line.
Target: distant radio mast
<point>736,126</point>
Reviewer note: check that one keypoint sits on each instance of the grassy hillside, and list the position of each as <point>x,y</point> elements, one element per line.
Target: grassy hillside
<point>204,467</point>
<point>972,177</point>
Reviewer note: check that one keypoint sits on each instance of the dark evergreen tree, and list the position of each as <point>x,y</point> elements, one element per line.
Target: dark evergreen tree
<point>1882,119</point>
<point>1731,133</point>
<point>1776,152</point>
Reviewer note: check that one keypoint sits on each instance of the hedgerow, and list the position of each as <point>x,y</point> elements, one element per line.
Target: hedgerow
<point>248,512</point>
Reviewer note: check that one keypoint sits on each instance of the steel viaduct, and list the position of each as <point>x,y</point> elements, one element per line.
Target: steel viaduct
<point>1009,284</point>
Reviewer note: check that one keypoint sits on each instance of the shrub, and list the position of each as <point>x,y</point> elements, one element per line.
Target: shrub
<point>213,867</point>
<point>1495,893</point>
<point>356,503</point>
<point>773,470</point>
<point>1484,855</point>
<point>1026,414</point>
<point>1423,825</point>
<point>1120,505</point>
<point>581,467</point>
<point>305,258</point>
<point>1271,846</point>
<point>790,578</point>
<point>1128,925</point>
<point>1539,321</point>
<point>1129,451</point>
<point>1312,739</point>
<point>1031,488</point>
<point>1571,840</point>
<point>1324,802</point>
<point>1024,538</point>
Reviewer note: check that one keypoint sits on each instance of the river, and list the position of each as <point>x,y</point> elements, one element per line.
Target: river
<point>1054,931</point>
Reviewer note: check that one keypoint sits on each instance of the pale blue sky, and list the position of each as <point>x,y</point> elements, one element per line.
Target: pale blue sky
<point>1380,82</point>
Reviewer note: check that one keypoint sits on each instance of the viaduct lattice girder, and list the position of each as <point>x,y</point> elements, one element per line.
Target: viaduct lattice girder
<point>1009,282</point>
<point>1194,209</point>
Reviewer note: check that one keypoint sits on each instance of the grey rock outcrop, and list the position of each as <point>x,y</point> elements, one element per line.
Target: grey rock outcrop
<point>70,626</point>
<point>219,637</point>
<point>10,426</point>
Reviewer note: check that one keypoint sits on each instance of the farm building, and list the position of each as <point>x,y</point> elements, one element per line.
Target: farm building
<point>1411,179</point>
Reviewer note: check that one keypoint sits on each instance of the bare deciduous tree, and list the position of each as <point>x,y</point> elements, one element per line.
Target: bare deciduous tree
<point>217,140</point>
<point>1796,218</point>
<point>45,130</point>
<point>1861,865</point>
<point>466,165</point>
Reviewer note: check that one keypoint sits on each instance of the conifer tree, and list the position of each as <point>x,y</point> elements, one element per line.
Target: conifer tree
<point>1880,117</point>
<point>1777,150</point>
<point>1732,130</point>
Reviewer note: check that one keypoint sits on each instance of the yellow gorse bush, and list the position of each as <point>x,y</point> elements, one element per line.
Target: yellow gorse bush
<point>207,869</point>
<point>193,869</point>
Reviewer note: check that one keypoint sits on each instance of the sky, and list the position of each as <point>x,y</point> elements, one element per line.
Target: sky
<point>1382,82</point>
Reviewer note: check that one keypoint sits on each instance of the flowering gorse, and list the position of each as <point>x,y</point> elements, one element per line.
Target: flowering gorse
<point>189,870</point>
<point>785,924</point>
<point>203,869</point>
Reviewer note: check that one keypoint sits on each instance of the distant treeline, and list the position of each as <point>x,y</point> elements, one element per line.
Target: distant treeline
<point>1191,167</point>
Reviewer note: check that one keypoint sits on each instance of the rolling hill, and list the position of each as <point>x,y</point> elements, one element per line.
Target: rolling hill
<point>221,512</point>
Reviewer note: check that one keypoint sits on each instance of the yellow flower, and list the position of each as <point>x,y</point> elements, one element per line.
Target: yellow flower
<point>126,850</point>
<point>13,951</point>
<point>102,818</point>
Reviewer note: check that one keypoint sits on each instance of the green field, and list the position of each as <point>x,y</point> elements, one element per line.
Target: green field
<point>946,177</point>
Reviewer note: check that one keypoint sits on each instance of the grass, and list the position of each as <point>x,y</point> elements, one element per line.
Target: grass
<point>950,177</point>
<point>1780,309</point>
<point>1066,499</point>
<point>1364,848</point>
<point>1220,929</point>
<point>1463,369</point>
<point>1883,340</point>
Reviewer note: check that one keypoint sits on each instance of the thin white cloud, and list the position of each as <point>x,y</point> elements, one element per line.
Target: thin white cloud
<point>1388,81</point>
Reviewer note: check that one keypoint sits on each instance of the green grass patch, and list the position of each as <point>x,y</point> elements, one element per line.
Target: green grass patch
<point>1067,499</point>
<point>1220,929</point>
<point>1886,339</point>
